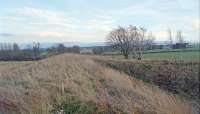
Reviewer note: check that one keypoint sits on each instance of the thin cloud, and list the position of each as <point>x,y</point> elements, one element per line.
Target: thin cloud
<point>94,23</point>
<point>7,34</point>
<point>196,24</point>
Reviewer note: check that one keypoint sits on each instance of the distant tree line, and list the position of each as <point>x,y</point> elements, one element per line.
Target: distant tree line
<point>99,50</point>
<point>12,51</point>
<point>60,48</point>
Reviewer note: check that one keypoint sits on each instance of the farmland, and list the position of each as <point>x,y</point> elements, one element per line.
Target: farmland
<point>182,55</point>
<point>193,55</point>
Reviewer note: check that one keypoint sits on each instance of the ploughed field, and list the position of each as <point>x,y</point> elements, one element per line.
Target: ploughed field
<point>81,84</point>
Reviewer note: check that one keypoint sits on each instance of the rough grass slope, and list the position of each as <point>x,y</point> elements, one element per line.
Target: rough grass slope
<point>43,86</point>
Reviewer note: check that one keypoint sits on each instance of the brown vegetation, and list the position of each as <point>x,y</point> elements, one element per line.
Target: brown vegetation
<point>175,76</point>
<point>36,87</point>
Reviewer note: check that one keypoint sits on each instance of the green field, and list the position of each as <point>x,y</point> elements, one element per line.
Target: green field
<point>186,56</point>
<point>181,55</point>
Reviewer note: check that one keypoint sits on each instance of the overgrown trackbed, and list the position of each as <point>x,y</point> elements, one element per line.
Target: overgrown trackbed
<point>42,86</point>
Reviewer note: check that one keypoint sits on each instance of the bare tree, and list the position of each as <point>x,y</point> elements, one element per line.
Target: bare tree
<point>118,39</point>
<point>9,46</point>
<point>1,47</point>
<point>170,38</point>
<point>149,41</point>
<point>15,47</point>
<point>127,40</point>
<point>75,49</point>
<point>98,50</point>
<point>36,49</point>
<point>141,40</point>
<point>179,37</point>
<point>61,48</point>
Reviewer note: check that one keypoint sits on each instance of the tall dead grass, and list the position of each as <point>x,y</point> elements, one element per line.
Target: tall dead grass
<point>35,87</point>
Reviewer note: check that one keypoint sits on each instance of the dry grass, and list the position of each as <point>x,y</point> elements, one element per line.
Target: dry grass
<point>178,78</point>
<point>34,87</point>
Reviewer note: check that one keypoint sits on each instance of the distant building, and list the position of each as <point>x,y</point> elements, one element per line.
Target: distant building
<point>157,46</point>
<point>180,45</point>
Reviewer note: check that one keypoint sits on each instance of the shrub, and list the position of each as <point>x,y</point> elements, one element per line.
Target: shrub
<point>72,105</point>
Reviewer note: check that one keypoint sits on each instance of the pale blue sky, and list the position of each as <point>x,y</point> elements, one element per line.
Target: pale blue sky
<point>91,20</point>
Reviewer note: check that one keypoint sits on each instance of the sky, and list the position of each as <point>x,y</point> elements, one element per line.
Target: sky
<point>91,20</point>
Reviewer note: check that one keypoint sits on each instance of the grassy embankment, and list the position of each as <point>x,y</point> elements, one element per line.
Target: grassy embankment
<point>78,84</point>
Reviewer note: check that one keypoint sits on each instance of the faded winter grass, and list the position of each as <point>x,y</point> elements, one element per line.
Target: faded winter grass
<point>35,87</point>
